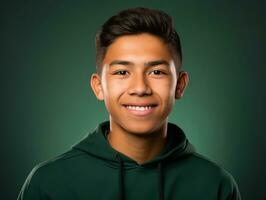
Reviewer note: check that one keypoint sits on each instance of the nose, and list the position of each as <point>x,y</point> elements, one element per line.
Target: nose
<point>139,86</point>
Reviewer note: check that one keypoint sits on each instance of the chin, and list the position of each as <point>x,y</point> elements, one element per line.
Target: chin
<point>142,128</point>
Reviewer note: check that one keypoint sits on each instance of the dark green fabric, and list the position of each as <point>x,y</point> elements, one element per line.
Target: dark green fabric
<point>90,170</point>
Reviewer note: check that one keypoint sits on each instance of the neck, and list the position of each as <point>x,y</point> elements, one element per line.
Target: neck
<point>139,147</point>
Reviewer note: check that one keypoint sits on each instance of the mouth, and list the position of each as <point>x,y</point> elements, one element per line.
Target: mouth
<point>140,110</point>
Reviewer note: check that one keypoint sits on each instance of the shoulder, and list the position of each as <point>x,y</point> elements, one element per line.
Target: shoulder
<point>48,173</point>
<point>204,165</point>
<point>58,164</point>
<point>204,168</point>
<point>54,168</point>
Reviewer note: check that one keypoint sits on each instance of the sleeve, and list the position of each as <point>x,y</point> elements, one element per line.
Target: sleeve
<point>31,188</point>
<point>228,189</point>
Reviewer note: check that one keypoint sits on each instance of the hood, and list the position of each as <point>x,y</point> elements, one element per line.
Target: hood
<point>96,144</point>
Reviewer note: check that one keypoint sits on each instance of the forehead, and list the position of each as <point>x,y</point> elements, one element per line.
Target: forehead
<point>138,48</point>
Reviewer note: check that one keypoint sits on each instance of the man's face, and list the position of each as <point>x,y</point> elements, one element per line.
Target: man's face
<point>138,83</point>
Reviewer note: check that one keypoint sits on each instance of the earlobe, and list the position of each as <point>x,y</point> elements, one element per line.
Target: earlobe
<point>181,85</point>
<point>97,86</point>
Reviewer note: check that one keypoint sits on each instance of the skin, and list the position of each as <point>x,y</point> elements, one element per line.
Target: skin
<point>139,70</point>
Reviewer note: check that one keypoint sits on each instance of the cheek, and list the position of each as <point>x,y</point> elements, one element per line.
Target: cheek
<point>166,90</point>
<point>113,89</point>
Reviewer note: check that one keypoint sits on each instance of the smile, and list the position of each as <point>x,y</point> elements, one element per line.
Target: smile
<point>140,110</point>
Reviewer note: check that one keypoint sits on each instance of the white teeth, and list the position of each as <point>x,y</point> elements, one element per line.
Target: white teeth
<point>139,108</point>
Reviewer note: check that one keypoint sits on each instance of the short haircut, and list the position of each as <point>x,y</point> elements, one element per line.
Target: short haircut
<point>135,21</point>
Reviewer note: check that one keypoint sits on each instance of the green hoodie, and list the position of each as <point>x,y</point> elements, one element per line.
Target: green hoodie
<point>92,169</point>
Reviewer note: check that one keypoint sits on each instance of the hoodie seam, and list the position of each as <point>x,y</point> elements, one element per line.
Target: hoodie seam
<point>59,158</point>
<point>201,157</point>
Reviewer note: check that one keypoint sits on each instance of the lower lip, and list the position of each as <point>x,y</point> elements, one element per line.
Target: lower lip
<point>140,113</point>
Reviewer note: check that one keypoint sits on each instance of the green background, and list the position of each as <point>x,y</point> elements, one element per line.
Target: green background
<point>48,54</point>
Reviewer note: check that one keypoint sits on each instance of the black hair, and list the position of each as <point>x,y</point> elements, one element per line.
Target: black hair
<point>136,21</point>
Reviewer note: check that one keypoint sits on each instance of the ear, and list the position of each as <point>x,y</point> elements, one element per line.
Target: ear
<point>181,85</point>
<point>96,86</point>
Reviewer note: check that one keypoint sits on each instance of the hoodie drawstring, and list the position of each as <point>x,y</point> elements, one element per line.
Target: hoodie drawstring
<point>121,180</point>
<point>161,181</point>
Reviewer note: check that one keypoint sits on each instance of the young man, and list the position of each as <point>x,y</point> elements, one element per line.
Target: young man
<point>137,154</point>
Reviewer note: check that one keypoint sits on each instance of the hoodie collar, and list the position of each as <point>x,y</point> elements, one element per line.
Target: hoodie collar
<point>96,144</point>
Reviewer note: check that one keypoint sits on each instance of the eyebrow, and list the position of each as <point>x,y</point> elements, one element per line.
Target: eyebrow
<point>120,62</point>
<point>147,64</point>
<point>157,62</point>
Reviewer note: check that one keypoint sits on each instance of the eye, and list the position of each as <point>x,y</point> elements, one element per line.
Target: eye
<point>157,72</point>
<point>121,72</point>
